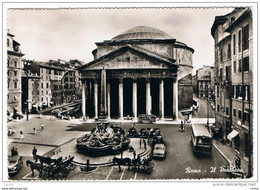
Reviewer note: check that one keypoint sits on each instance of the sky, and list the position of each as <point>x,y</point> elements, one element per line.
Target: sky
<point>66,34</point>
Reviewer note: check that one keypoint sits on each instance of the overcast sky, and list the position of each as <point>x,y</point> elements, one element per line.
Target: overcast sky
<point>71,34</point>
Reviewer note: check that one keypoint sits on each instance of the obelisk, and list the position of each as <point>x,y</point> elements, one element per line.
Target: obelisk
<point>103,112</point>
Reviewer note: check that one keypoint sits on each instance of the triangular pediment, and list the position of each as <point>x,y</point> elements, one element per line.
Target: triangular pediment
<point>129,58</point>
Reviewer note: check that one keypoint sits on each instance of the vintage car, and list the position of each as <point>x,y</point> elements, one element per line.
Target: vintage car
<point>143,133</point>
<point>155,132</point>
<point>159,150</point>
<point>142,118</point>
<point>15,163</point>
<point>66,117</point>
<point>132,132</point>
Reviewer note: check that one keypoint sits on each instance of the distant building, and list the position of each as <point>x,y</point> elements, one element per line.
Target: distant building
<point>234,81</point>
<point>30,86</point>
<point>203,79</point>
<point>14,74</point>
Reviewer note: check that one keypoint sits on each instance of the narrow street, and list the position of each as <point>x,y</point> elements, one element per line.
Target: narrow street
<point>202,111</point>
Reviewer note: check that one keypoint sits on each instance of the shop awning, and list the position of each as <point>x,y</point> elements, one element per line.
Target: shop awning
<point>232,135</point>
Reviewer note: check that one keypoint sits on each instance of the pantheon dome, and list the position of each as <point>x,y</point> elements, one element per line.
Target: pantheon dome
<point>147,72</point>
<point>142,33</point>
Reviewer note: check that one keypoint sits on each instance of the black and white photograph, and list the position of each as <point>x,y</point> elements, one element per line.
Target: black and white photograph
<point>129,92</point>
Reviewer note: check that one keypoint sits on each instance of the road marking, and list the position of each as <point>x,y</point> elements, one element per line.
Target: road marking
<point>26,176</point>
<point>122,173</point>
<point>135,175</point>
<point>109,173</point>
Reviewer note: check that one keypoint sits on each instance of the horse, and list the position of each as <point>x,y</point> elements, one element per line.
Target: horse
<point>34,166</point>
<point>122,161</point>
<point>46,160</point>
<point>136,163</point>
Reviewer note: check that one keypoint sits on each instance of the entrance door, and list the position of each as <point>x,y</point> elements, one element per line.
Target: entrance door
<point>247,144</point>
<point>237,142</point>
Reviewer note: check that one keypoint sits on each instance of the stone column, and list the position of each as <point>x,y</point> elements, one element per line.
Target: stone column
<point>161,99</point>
<point>175,98</point>
<point>121,110</point>
<point>148,97</point>
<point>96,98</point>
<point>108,100</point>
<point>83,98</point>
<point>134,99</point>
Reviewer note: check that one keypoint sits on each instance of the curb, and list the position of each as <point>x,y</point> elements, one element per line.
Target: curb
<point>215,146</point>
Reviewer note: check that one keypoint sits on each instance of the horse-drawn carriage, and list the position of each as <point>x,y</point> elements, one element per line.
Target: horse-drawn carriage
<point>58,171</point>
<point>49,168</point>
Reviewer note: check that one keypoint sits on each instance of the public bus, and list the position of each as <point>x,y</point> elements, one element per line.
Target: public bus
<point>201,139</point>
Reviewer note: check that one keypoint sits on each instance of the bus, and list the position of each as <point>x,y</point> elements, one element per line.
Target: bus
<point>201,139</point>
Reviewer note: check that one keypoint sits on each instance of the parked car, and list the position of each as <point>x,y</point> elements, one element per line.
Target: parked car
<point>15,163</point>
<point>159,151</point>
<point>132,132</point>
<point>142,118</point>
<point>18,115</point>
<point>66,117</point>
<point>143,133</point>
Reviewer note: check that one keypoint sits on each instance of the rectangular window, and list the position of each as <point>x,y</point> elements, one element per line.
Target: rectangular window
<point>227,111</point>
<point>217,108</point>
<point>239,40</point>
<point>229,51</point>
<point>46,92</point>
<point>239,114</point>
<point>235,66</point>
<point>234,44</point>
<point>217,91</point>
<point>234,112</point>
<point>42,99</point>
<point>50,71</point>
<point>42,92</point>
<point>240,66</point>
<point>246,64</point>
<point>56,72</point>
<point>246,37</point>
<point>245,116</point>
<point>227,73</point>
<point>15,73</point>
<point>47,85</point>
<point>15,84</point>
<point>41,85</point>
<point>15,63</point>
<point>221,74</point>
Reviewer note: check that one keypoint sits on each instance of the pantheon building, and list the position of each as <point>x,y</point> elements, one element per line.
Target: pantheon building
<point>140,71</point>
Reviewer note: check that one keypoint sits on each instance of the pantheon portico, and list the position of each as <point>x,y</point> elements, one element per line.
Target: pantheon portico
<point>137,72</point>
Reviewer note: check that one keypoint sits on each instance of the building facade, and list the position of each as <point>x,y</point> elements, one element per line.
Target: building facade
<point>14,74</point>
<point>203,80</point>
<point>237,31</point>
<point>140,71</point>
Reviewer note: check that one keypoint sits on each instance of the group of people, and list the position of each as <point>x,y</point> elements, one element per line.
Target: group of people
<point>14,151</point>
<point>41,128</point>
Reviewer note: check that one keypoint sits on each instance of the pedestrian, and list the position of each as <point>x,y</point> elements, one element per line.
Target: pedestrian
<point>134,153</point>
<point>237,162</point>
<point>34,130</point>
<point>42,126</point>
<point>12,151</point>
<point>34,152</point>
<point>140,143</point>
<point>144,144</point>
<point>21,135</point>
